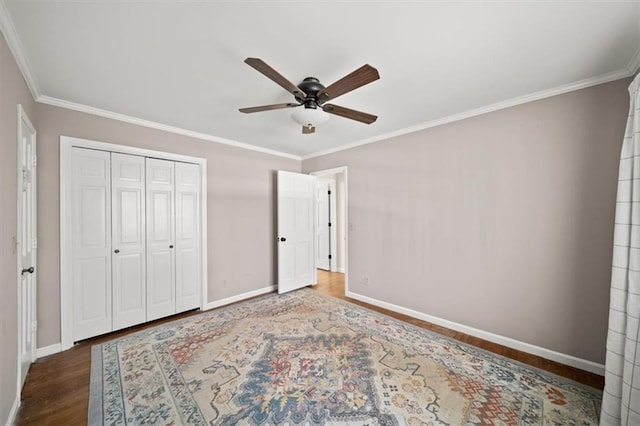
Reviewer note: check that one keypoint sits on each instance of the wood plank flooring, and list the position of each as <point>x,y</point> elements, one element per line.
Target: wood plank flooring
<point>56,390</point>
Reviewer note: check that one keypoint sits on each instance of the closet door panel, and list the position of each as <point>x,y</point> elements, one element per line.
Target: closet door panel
<point>128,243</point>
<point>90,226</point>
<point>161,292</point>
<point>187,236</point>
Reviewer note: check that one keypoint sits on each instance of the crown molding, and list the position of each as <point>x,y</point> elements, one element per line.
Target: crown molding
<point>634,63</point>
<point>48,100</point>
<point>16,48</point>
<point>582,84</point>
<point>11,35</point>
<point>13,40</point>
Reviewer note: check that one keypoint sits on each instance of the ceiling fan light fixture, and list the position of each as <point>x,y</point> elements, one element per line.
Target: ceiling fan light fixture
<point>313,95</point>
<point>309,117</point>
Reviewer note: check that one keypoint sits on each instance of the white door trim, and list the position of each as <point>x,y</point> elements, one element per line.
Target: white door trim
<point>336,170</point>
<point>23,118</point>
<point>66,290</point>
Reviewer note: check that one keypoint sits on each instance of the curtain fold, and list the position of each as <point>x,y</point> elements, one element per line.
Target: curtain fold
<point>621,397</point>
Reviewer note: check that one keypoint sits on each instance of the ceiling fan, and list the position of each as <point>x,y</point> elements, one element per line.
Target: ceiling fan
<point>313,96</point>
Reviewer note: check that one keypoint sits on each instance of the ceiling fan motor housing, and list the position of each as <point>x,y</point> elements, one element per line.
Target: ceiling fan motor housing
<point>310,86</point>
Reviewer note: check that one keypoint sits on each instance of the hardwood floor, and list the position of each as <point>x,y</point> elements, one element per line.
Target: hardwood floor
<point>56,390</point>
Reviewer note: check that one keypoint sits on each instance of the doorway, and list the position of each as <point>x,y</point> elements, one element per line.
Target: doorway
<point>337,213</point>
<point>26,245</point>
<point>326,224</point>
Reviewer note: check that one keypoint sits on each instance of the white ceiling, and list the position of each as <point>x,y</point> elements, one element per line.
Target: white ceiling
<point>180,63</point>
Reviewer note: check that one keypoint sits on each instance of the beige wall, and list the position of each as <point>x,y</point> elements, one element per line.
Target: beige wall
<point>240,205</point>
<point>502,222</point>
<point>13,91</point>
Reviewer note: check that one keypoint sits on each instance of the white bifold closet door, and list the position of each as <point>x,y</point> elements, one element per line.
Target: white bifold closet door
<point>128,242</point>
<point>135,226</point>
<point>161,262</point>
<point>173,237</point>
<point>91,242</point>
<point>187,247</point>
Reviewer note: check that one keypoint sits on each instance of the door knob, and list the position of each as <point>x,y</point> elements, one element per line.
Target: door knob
<point>283,239</point>
<point>30,270</point>
<point>116,251</point>
<point>171,246</point>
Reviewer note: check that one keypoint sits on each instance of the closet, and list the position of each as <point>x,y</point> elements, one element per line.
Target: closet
<point>135,239</point>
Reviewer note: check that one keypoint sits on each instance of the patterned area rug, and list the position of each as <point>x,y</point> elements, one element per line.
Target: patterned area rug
<point>307,358</point>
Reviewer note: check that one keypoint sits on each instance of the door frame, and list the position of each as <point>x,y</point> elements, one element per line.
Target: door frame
<point>345,171</point>
<point>22,117</point>
<point>66,290</point>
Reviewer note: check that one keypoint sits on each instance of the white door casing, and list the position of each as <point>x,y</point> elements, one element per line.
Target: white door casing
<point>26,245</point>
<point>161,291</point>
<point>296,196</point>
<point>91,233</point>
<point>187,237</point>
<point>128,240</point>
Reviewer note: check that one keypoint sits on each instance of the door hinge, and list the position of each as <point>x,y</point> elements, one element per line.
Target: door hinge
<point>329,192</point>
<point>34,243</point>
<point>329,224</point>
<point>34,160</point>
<point>329,257</point>
<point>34,326</point>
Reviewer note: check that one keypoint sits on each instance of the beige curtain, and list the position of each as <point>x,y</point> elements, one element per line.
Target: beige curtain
<point>621,398</point>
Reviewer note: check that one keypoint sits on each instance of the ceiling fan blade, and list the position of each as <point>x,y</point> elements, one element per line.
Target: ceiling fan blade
<point>267,107</point>
<point>308,129</point>
<point>363,75</point>
<point>352,114</point>
<point>274,75</point>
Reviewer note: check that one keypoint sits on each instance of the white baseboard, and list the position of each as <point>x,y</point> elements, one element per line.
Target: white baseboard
<point>239,297</point>
<point>57,347</point>
<point>565,359</point>
<point>14,411</point>
<point>341,270</point>
<point>48,350</point>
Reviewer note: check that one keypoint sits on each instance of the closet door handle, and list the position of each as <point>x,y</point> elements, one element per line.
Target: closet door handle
<point>116,251</point>
<point>171,246</point>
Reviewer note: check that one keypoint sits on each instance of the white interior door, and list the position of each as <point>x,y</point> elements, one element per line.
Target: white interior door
<point>296,231</point>
<point>91,243</point>
<point>26,244</point>
<point>128,241</point>
<point>161,289</point>
<point>187,242</point>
